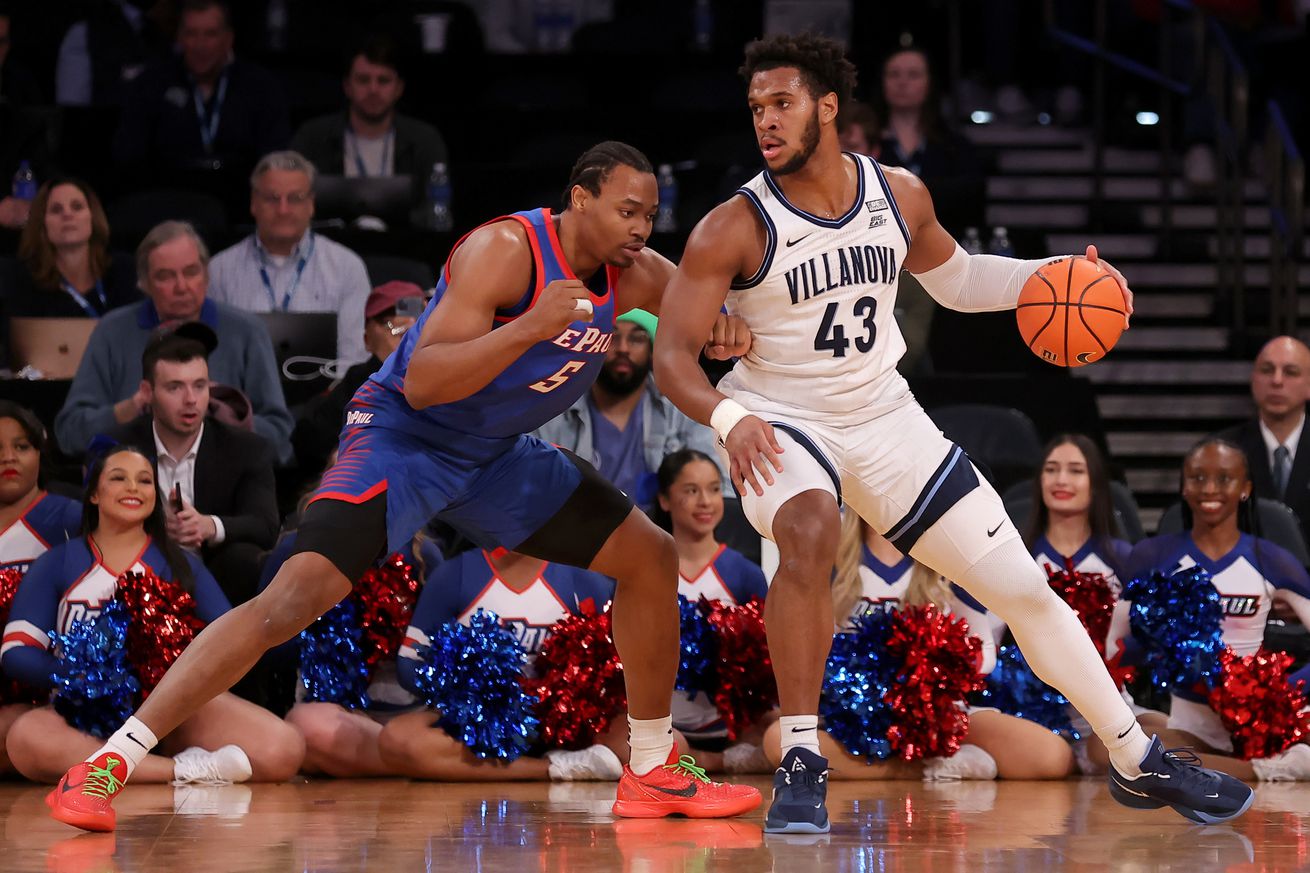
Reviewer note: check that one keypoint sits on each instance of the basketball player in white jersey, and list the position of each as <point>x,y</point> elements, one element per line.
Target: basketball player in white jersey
<point>808,254</point>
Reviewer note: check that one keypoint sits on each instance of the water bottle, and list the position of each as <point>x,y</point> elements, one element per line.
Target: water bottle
<point>702,26</point>
<point>666,219</point>
<point>972,243</point>
<point>25,183</point>
<point>439,216</point>
<point>1000,243</point>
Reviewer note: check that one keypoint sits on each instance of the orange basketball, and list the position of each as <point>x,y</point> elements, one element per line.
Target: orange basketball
<point>1071,312</point>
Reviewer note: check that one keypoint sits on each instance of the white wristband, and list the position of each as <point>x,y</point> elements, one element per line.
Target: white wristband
<point>725,417</point>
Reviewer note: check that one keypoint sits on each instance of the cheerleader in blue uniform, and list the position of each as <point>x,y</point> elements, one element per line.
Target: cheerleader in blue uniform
<point>31,520</point>
<point>1219,534</point>
<point>872,574</point>
<point>529,595</point>
<point>1072,524</point>
<point>690,507</point>
<point>228,740</point>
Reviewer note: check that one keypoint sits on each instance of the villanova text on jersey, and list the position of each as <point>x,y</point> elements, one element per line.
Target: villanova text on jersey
<point>850,265</point>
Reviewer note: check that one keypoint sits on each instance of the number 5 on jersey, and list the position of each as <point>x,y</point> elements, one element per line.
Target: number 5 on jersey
<point>832,336</point>
<point>549,384</point>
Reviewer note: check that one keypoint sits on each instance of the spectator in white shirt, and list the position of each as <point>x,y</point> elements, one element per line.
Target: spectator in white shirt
<point>286,267</point>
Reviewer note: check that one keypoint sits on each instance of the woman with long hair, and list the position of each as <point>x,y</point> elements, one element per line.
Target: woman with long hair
<point>871,574</point>
<point>123,530</point>
<point>31,519</point>
<point>690,506</point>
<point>1221,535</point>
<point>65,248</point>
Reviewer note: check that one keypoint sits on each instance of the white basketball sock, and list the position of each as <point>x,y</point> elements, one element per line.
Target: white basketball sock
<point>651,741</point>
<point>133,741</point>
<point>799,730</point>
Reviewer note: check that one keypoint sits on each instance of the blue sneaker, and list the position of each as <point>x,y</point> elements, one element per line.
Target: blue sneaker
<point>1175,778</point>
<point>800,795</point>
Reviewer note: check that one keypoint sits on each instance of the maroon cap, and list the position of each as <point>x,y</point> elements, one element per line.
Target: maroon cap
<point>386,296</point>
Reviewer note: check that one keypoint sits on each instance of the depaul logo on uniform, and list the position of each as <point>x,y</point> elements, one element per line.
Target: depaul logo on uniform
<point>356,417</point>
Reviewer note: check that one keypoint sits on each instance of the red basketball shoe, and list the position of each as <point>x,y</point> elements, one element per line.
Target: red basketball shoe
<point>681,788</point>
<point>83,797</point>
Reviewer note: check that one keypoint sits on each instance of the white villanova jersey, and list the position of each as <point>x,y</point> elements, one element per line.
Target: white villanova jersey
<point>820,307</point>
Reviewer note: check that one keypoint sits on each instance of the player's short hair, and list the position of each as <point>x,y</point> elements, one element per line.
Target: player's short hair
<point>822,62</point>
<point>593,169</point>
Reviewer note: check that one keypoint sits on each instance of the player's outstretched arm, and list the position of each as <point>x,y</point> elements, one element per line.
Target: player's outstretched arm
<point>642,287</point>
<point>954,278</point>
<point>458,354</point>
<point>690,310</point>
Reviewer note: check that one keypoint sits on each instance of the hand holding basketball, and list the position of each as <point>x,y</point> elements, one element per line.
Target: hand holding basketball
<point>1072,311</point>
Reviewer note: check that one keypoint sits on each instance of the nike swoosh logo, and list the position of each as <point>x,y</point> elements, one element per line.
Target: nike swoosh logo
<point>792,242</point>
<point>797,730</point>
<point>689,791</point>
<point>1120,737</point>
<point>65,787</point>
<point>991,533</point>
<point>135,740</point>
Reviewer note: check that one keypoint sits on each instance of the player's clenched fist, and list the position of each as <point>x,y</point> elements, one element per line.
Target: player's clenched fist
<point>752,448</point>
<point>561,303</point>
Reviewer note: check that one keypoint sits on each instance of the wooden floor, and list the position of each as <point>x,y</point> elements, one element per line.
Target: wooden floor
<point>538,828</point>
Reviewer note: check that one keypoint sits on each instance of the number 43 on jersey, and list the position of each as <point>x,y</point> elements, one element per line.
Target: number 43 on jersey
<point>832,330</point>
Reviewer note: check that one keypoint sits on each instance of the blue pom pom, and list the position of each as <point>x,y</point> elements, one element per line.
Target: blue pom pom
<point>1014,689</point>
<point>699,651</point>
<point>94,687</point>
<point>332,666</point>
<point>859,674</point>
<point>470,675</point>
<point>1177,620</point>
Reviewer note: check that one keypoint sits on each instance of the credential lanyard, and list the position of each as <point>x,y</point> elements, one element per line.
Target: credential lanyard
<point>295,280</point>
<point>209,120</point>
<point>81,301</point>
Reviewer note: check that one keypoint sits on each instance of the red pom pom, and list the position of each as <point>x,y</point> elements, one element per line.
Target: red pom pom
<point>1258,706</point>
<point>746,689</point>
<point>1090,598</point>
<point>163,623</point>
<point>385,598</point>
<point>939,661</point>
<point>11,690</point>
<point>579,680</point>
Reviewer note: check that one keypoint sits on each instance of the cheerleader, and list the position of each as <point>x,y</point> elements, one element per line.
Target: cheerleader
<point>124,531</point>
<point>1071,526</point>
<point>529,595</point>
<point>31,520</point>
<point>690,506</point>
<point>871,574</point>
<point>1220,535</point>
<point>343,742</point>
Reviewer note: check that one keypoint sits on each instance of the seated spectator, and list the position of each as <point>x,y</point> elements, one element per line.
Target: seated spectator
<point>371,139</point>
<point>691,507</point>
<point>916,137</point>
<point>204,109</point>
<point>624,426</point>
<point>227,740</point>
<point>173,269</point>
<point>1250,573</point>
<point>390,311</point>
<point>218,479</point>
<point>31,519</point>
<point>103,53</point>
<point>859,129</point>
<point>284,266</point>
<point>65,248</point>
<point>17,84</point>
<point>1280,387</point>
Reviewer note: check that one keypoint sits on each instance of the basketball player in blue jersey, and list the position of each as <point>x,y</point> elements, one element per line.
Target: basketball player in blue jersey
<point>808,254</point>
<point>515,333</point>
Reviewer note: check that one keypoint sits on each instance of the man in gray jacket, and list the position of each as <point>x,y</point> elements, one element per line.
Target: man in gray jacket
<point>624,426</point>
<point>173,271</point>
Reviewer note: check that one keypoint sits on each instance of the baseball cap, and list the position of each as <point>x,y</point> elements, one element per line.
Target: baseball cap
<point>388,294</point>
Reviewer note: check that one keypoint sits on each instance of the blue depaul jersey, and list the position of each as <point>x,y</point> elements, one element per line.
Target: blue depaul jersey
<point>545,380</point>
<point>47,522</point>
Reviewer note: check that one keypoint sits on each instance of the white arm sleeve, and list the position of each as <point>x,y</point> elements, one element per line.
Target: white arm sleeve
<point>978,283</point>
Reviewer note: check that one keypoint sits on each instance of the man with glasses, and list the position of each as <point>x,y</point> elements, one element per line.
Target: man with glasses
<point>284,266</point>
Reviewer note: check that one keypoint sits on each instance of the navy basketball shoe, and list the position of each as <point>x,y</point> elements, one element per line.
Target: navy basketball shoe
<point>1175,778</point>
<point>800,794</point>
